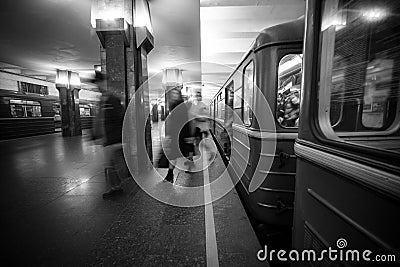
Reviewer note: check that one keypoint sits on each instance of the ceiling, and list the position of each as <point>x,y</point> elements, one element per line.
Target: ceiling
<point>39,36</point>
<point>228,29</point>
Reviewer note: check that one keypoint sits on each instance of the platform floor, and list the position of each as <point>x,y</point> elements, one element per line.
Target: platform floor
<point>53,214</point>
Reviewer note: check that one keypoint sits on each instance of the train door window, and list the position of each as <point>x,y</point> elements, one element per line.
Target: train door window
<point>229,95</point>
<point>33,109</point>
<point>84,110</point>
<point>229,90</point>
<point>33,88</point>
<point>23,108</point>
<point>216,112</point>
<point>237,105</point>
<point>57,111</point>
<point>288,96</point>
<point>17,108</point>
<point>359,72</point>
<point>222,103</point>
<point>213,109</point>
<point>248,91</point>
<point>219,107</point>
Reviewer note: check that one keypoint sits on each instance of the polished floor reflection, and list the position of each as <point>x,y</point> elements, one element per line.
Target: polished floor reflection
<point>53,213</point>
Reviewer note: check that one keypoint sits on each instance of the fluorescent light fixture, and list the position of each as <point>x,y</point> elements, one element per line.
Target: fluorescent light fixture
<point>110,10</point>
<point>296,61</point>
<point>172,76</point>
<point>142,15</point>
<point>338,20</point>
<point>68,79</point>
<point>97,68</point>
<point>62,78</point>
<point>75,80</point>
<point>374,14</point>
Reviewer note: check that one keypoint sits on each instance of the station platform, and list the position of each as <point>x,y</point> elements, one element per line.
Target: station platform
<point>53,213</point>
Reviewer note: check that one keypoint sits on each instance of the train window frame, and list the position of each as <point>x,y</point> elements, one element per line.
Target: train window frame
<point>212,109</point>
<point>277,89</point>
<point>216,106</point>
<point>220,108</point>
<point>32,88</point>
<point>85,107</point>
<point>250,105</point>
<point>238,105</point>
<point>229,88</point>
<point>222,100</point>
<point>325,76</point>
<point>25,104</point>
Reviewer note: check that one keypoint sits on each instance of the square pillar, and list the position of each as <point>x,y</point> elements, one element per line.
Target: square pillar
<point>68,84</point>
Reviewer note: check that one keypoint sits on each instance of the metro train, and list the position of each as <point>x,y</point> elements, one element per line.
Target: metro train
<point>337,156</point>
<point>274,66</point>
<point>26,114</point>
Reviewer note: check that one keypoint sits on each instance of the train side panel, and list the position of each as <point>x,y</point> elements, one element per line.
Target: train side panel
<point>348,177</point>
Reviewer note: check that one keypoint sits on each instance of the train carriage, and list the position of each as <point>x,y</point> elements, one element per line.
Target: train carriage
<point>26,114</point>
<point>274,66</point>
<point>347,178</point>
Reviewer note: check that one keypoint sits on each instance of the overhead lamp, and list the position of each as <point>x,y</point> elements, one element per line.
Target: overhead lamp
<point>74,80</point>
<point>107,10</point>
<point>374,14</point>
<point>142,15</point>
<point>97,68</point>
<point>62,78</point>
<point>143,25</point>
<point>68,79</point>
<point>111,16</point>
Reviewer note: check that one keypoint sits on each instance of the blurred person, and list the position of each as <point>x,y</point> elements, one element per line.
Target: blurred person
<point>108,126</point>
<point>199,112</point>
<point>177,132</point>
<point>190,141</point>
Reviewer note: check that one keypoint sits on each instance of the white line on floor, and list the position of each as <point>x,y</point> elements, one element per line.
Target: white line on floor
<point>211,239</point>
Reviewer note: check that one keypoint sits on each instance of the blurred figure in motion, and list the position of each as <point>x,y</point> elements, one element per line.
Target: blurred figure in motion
<point>108,126</point>
<point>199,112</point>
<point>177,132</point>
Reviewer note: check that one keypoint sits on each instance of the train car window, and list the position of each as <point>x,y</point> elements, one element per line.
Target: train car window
<point>216,112</point>
<point>24,109</point>
<point>237,105</point>
<point>84,110</point>
<point>360,71</point>
<point>212,109</point>
<point>33,88</point>
<point>222,106</point>
<point>288,95</point>
<point>57,111</point>
<point>248,91</point>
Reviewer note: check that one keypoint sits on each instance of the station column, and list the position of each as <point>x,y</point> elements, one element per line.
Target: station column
<point>125,66</point>
<point>68,85</point>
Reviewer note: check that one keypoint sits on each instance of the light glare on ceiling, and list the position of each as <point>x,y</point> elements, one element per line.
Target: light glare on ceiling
<point>374,14</point>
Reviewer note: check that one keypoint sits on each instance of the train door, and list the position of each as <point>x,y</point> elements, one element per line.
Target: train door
<point>274,198</point>
<point>348,175</point>
<point>229,95</point>
<point>213,114</point>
